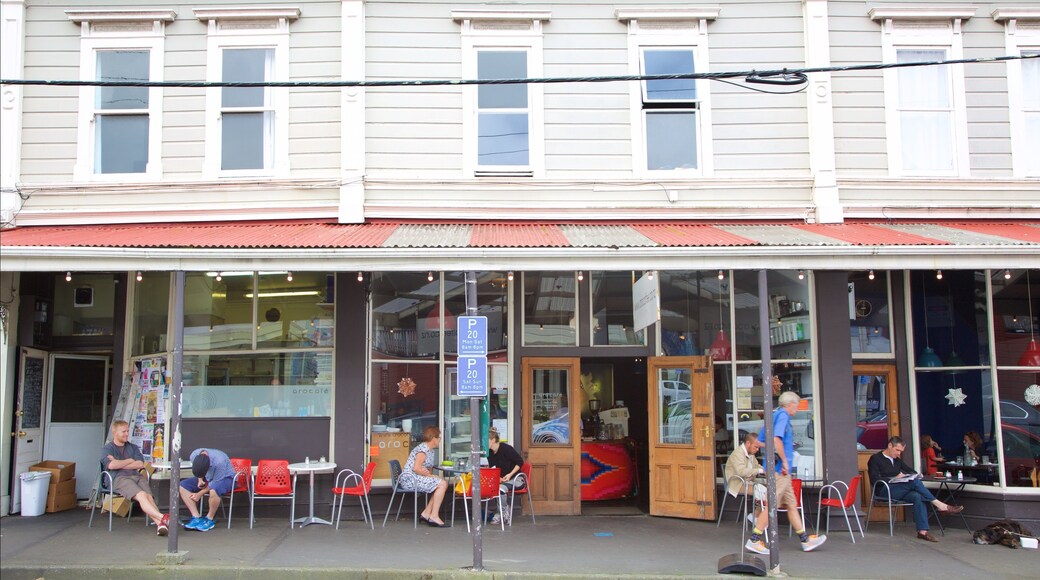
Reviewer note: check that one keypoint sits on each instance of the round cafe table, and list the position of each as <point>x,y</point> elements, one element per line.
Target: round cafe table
<point>312,468</point>
<point>164,471</point>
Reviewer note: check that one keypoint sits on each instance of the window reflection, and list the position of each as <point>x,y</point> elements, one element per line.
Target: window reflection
<point>549,309</point>
<point>612,316</point>
<point>869,312</point>
<point>550,414</point>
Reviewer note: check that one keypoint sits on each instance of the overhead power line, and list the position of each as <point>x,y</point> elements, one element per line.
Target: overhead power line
<point>785,76</point>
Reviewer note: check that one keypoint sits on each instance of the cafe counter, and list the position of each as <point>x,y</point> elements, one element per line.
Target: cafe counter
<point>607,470</point>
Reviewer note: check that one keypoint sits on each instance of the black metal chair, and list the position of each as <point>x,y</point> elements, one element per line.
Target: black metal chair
<point>887,501</point>
<point>395,476</point>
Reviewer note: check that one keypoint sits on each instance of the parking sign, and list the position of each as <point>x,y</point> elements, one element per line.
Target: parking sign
<point>472,336</point>
<point>472,377</point>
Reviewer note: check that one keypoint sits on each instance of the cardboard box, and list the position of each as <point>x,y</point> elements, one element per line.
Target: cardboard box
<point>62,488</point>
<point>60,470</point>
<point>119,507</point>
<point>61,502</point>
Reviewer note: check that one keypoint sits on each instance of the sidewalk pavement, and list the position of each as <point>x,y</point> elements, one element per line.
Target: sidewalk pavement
<point>55,546</point>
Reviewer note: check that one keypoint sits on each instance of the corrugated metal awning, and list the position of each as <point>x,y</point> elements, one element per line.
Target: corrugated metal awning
<point>394,245</point>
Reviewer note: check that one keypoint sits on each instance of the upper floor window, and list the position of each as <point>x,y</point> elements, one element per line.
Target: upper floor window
<point>1022,37</point>
<point>119,129</point>
<point>925,112</point>
<point>670,117</point>
<point>502,123</point>
<point>247,127</point>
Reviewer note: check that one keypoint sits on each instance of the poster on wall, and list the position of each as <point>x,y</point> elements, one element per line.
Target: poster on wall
<point>147,406</point>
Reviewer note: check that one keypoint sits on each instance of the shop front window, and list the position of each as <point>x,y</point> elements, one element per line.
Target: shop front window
<point>406,316</point>
<point>293,310</point>
<point>550,422</point>
<point>218,310</point>
<point>405,400</point>
<point>612,316</point>
<point>869,313</point>
<point>790,327</point>
<point>151,313</point>
<point>85,307</point>
<point>492,302</point>
<point>550,309</point>
<point>1016,306</point>
<point>292,384</point>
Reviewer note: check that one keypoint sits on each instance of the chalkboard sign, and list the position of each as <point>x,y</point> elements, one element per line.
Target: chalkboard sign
<point>32,393</point>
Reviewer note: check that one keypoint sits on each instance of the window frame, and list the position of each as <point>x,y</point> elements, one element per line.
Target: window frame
<point>1019,40</point>
<point>502,30</point>
<point>669,28</point>
<point>244,28</point>
<point>925,28</point>
<point>112,30</point>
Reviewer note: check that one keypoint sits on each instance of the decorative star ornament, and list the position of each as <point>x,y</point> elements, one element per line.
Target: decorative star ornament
<point>1033,395</point>
<point>956,397</point>
<point>406,387</point>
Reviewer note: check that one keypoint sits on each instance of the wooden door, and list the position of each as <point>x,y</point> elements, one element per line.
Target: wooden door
<point>682,437</point>
<point>877,419</point>
<point>552,434</point>
<point>29,417</point>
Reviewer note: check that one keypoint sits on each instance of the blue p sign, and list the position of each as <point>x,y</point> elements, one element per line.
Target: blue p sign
<point>472,380</point>
<point>472,337</point>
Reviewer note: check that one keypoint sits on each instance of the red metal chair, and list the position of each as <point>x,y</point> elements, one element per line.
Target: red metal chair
<point>845,503</point>
<point>522,479</point>
<point>273,481</point>
<point>796,487</point>
<point>243,472</point>
<point>490,480</point>
<point>362,485</point>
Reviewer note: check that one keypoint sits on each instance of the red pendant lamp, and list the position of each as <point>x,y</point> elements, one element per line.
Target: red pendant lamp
<point>1031,357</point>
<point>720,349</point>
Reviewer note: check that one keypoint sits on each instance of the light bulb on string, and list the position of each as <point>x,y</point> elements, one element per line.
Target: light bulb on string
<point>68,276</point>
<point>938,274</point>
<point>509,276</point>
<point>801,274</point>
<point>1007,274</point>
<point>219,276</point>
<point>722,275</point>
<point>649,274</point>
<point>429,277</point>
<point>581,275</point>
<point>870,275</point>
<point>140,276</point>
<point>288,278</point>
<point>360,277</point>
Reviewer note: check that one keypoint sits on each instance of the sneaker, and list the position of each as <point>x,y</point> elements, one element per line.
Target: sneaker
<point>165,520</point>
<point>206,525</point>
<point>758,547</point>
<point>813,543</point>
<point>162,530</point>
<point>497,520</point>
<point>193,524</point>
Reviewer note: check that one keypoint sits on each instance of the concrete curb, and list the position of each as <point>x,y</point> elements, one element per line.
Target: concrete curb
<point>189,572</point>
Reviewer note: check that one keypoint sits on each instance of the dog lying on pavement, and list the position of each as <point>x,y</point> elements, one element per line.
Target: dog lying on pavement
<point>1007,532</point>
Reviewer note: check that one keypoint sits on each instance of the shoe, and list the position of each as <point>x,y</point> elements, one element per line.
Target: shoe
<point>813,543</point>
<point>496,520</point>
<point>424,518</point>
<point>927,537</point>
<point>434,524</point>
<point>758,547</point>
<point>193,524</point>
<point>206,525</point>
<point>165,520</point>
<point>162,530</point>
<point>952,509</point>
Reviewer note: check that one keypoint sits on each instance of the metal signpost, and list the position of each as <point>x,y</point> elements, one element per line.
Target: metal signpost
<point>472,382</point>
<point>174,439</point>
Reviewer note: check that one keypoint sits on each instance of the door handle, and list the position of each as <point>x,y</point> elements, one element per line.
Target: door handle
<point>19,434</point>
<point>707,431</point>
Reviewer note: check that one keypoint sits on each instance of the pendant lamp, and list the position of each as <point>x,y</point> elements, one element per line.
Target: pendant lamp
<point>927,358</point>
<point>954,360</point>
<point>1031,357</point>
<point>720,348</point>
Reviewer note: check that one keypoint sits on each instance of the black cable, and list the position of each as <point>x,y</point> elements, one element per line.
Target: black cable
<point>516,81</point>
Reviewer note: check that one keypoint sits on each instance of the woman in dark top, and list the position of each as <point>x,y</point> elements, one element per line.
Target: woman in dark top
<point>508,461</point>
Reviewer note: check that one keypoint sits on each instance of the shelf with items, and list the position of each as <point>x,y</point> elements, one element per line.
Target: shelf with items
<point>790,329</point>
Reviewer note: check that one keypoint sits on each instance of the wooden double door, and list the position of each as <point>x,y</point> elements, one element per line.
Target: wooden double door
<point>680,398</point>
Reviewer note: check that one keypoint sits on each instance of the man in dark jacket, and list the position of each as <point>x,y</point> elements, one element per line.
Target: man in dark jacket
<point>905,484</point>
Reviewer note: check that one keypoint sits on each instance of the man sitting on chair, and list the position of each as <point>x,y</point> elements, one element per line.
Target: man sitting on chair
<point>214,477</point>
<point>742,462</point>
<point>887,465</point>
<point>124,460</point>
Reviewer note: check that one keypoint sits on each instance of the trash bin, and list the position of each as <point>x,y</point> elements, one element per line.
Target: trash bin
<point>34,492</point>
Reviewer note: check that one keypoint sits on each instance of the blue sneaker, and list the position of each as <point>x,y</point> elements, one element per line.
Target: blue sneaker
<point>206,525</point>
<point>194,523</point>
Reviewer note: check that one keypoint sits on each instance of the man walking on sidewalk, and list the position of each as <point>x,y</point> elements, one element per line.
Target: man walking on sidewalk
<point>124,460</point>
<point>214,477</point>
<point>783,446</point>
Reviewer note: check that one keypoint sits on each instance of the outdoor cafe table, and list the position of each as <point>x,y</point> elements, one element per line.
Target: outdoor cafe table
<point>950,495</point>
<point>164,468</point>
<point>312,467</point>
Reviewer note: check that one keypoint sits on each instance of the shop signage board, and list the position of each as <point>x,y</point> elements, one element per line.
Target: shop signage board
<point>646,303</point>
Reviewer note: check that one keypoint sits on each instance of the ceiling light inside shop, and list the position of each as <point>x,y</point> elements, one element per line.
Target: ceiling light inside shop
<point>287,293</point>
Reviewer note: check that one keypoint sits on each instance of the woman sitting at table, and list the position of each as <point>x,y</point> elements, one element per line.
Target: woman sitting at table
<point>973,443</point>
<point>508,461</point>
<point>418,476</point>
<point>930,454</point>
